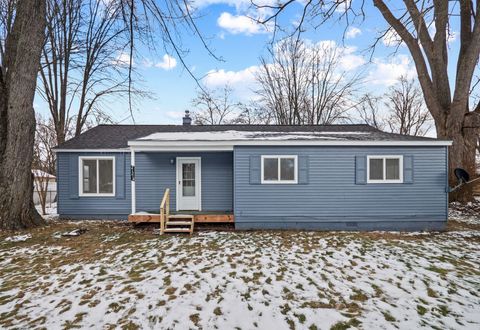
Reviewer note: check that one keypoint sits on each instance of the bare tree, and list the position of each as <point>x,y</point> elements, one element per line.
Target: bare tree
<point>447,96</point>
<point>305,84</point>
<point>43,165</point>
<point>22,27</point>
<point>84,60</point>
<point>253,113</point>
<point>282,89</point>
<point>21,43</point>
<point>400,110</point>
<point>215,107</point>
<point>368,108</point>
<point>408,113</point>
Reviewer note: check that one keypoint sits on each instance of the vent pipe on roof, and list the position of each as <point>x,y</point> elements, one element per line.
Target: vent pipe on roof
<point>187,120</point>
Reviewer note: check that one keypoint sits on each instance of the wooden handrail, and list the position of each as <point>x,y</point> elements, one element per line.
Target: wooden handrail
<point>164,210</point>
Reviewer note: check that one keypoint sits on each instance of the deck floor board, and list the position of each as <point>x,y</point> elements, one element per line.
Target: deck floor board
<point>198,217</point>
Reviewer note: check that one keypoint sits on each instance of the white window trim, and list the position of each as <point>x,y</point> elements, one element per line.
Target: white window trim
<point>80,176</point>
<point>384,157</point>
<point>279,181</point>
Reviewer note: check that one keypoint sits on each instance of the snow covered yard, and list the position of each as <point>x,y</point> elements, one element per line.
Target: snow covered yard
<point>115,276</point>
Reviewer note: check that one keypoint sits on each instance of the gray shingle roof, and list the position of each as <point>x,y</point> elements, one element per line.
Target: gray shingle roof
<point>117,136</point>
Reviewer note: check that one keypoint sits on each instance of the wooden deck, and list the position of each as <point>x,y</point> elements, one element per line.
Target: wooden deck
<point>198,217</point>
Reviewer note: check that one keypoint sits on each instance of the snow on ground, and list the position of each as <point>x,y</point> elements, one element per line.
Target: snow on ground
<point>114,276</point>
<point>18,238</point>
<point>50,209</point>
<point>465,213</point>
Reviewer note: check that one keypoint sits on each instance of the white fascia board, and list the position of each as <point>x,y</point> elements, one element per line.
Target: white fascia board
<point>92,150</point>
<point>228,145</point>
<point>177,147</point>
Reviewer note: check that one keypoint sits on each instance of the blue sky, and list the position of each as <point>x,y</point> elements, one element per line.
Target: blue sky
<point>240,42</point>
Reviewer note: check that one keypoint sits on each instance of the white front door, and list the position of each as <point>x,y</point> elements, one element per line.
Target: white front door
<point>188,183</point>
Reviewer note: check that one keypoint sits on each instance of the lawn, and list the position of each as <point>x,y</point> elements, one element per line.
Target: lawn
<point>118,276</point>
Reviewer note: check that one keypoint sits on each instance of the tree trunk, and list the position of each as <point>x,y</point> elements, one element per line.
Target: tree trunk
<point>461,154</point>
<point>17,89</point>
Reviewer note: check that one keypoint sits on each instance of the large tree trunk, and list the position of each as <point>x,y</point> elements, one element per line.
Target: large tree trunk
<point>462,152</point>
<point>17,89</point>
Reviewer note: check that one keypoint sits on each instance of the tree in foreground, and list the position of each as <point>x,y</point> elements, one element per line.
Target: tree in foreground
<point>20,62</point>
<point>84,61</point>
<point>447,96</point>
<point>22,36</point>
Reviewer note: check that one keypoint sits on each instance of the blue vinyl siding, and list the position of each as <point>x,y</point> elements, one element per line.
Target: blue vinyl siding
<point>154,173</point>
<point>332,194</point>
<point>335,198</point>
<point>71,205</point>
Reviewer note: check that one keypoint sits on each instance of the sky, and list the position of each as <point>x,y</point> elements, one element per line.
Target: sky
<point>240,42</point>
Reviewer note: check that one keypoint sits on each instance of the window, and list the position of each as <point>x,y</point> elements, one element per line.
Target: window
<point>385,169</point>
<point>97,176</point>
<point>279,169</point>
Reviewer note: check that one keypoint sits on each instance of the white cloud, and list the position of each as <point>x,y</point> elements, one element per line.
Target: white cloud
<point>237,24</point>
<point>353,32</point>
<point>343,5</point>
<point>242,82</point>
<point>218,78</point>
<point>386,73</point>
<point>392,39</point>
<point>346,55</point>
<point>351,61</point>
<point>168,63</point>
<point>452,36</point>
<point>123,59</point>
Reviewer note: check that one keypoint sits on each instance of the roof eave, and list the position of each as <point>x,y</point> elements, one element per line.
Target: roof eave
<point>138,144</point>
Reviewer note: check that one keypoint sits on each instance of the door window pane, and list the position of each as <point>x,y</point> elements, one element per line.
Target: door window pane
<point>89,176</point>
<point>393,169</point>
<point>270,169</point>
<point>376,169</point>
<point>188,179</point>
<point>105,167</point>
<point>287,169</point>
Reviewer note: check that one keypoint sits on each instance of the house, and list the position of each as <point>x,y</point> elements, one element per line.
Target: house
<point>333,177</point>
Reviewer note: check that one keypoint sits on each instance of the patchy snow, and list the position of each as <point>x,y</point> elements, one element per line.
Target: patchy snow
<point>247,280</point>
<point>467,213</point>
<point>75,232</point>
<point>50,209</point>
<point>248,136</point>
<point>18,238</point>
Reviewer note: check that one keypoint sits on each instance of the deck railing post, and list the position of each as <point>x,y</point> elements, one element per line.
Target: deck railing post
<point>164,210</point>
<point>162,219</point>
<point>132,181</point>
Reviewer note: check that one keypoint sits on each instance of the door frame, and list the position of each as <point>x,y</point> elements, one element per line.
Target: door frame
<point>198,181</point>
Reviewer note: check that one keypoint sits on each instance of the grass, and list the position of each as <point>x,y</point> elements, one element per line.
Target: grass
<point>116,274</point>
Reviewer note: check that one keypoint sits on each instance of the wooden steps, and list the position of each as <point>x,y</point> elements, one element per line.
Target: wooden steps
<point>177,230</point>
<point>179,223</point>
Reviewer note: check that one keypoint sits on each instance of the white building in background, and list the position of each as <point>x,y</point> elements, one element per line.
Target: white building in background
<point>41,176</point>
